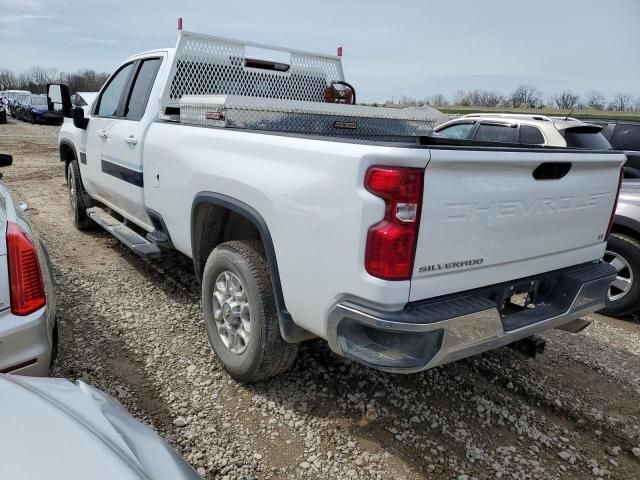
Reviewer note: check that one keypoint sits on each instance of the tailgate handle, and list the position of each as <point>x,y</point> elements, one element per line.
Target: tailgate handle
<point>551,170</point>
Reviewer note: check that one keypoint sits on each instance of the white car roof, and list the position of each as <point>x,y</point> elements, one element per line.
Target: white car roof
<point>541,121</point>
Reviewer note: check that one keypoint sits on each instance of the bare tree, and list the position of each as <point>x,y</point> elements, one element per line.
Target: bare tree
<point>460,98</point>
<point>595,100</point>
<point>621,102</point>
<point>39,77</point>
<point>527,96</point>
<point>8,79</point>
<point>566,100</point>
<point>85,80</point>
<point>438,100</point>
<point>36,78</point>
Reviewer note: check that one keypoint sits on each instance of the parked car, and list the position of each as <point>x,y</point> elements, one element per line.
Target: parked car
<point>58,430</point>
<point>35,110</point>
<point>84,100</point>
<point>17,104</point>
<point>624,135</point>
<point>28,332</point>
<point>11,96</point>
<point>403,256</point>
<point>623,253</point>
<point>524,129</point>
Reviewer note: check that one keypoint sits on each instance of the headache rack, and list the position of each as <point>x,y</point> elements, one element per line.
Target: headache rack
<point>218,82</point>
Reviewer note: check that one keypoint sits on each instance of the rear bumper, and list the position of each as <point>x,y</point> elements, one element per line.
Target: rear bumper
<point>429,333</point>
<point>25,343</point>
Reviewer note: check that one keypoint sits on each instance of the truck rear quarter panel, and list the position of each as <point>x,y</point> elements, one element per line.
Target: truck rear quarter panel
<point>309,192</point>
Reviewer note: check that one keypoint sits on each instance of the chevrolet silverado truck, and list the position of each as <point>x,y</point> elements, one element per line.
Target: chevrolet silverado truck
<point>312,219</point>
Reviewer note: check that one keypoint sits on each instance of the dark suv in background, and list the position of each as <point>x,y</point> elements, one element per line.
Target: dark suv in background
<point>624,135</point>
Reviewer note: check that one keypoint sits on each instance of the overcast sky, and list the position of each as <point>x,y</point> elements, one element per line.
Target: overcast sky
<point>416,48</point>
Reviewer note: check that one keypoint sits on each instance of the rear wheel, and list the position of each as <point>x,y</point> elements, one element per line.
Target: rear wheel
<point>240,313</point>
<point>76,200</point>
<point>623,297</point>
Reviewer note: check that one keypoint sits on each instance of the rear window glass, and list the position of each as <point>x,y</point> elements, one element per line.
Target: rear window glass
<point>626,137</point>
<point>459,131</point>
<point>531,135</point>
<point>142,88</point>
<point>585,139</point>
<point>496,133</point>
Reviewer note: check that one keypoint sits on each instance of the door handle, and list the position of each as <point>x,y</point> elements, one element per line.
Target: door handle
<point>102,133</point>
<point>131,140</point>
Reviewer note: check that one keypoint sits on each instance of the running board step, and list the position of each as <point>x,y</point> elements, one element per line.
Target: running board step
<point>140,245</point>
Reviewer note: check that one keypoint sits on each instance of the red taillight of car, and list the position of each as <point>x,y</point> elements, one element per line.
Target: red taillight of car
<point>391,243</point>
<point>25,277</point>
<point>615,204</point>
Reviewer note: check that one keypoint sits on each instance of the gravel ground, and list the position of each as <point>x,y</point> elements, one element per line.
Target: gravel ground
<point>134,329</point>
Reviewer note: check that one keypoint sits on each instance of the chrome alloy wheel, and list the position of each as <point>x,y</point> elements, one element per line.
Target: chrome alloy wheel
<point>231,312</point>
<point>622,284</point>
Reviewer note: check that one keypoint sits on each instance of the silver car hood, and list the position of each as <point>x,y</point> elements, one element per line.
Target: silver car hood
<point>52,428</point>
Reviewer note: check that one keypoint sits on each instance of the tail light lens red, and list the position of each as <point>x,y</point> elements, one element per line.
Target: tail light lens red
<point>391,243</point>
<point>25,276</point>
<point>615,204</point>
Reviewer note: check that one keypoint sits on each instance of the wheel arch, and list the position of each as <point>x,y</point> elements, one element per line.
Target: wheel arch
<point>626,226</point>
<point>68,153</point>
<point>221,205</point>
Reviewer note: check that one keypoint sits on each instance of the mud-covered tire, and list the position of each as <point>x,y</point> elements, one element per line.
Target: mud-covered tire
<point>76,200</point>
<point>627,248</point>
<point>265,354</point>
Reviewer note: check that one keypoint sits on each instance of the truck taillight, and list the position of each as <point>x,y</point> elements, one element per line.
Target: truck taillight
<point>615,204</point>
<point>25,277</point>
<point>391,243</point>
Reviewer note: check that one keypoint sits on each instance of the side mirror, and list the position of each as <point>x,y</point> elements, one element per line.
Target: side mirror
<point>77,113</point>
<point>59,99</point>
<point>5,160</point>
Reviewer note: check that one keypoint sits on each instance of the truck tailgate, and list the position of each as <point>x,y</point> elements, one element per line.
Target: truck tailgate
<point>486,219</point>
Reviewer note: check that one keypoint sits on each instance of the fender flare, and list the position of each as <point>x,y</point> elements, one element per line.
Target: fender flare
<point>69,144</point>
<point>290,332</point>
<point>81,158</point>
<point>627,222</point>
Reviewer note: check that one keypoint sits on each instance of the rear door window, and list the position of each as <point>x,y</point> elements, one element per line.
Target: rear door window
<point>459,131</point>
<point>626,137</point>
<point>141,89</point>
<point>491,132</point>
<point>530,135</point>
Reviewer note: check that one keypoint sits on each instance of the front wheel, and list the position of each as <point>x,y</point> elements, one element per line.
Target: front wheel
<point>623,297</point>
<point>240,313</point>
<point>76,201</point>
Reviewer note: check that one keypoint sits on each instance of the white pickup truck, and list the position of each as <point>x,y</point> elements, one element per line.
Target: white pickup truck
<point>403,254</point>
